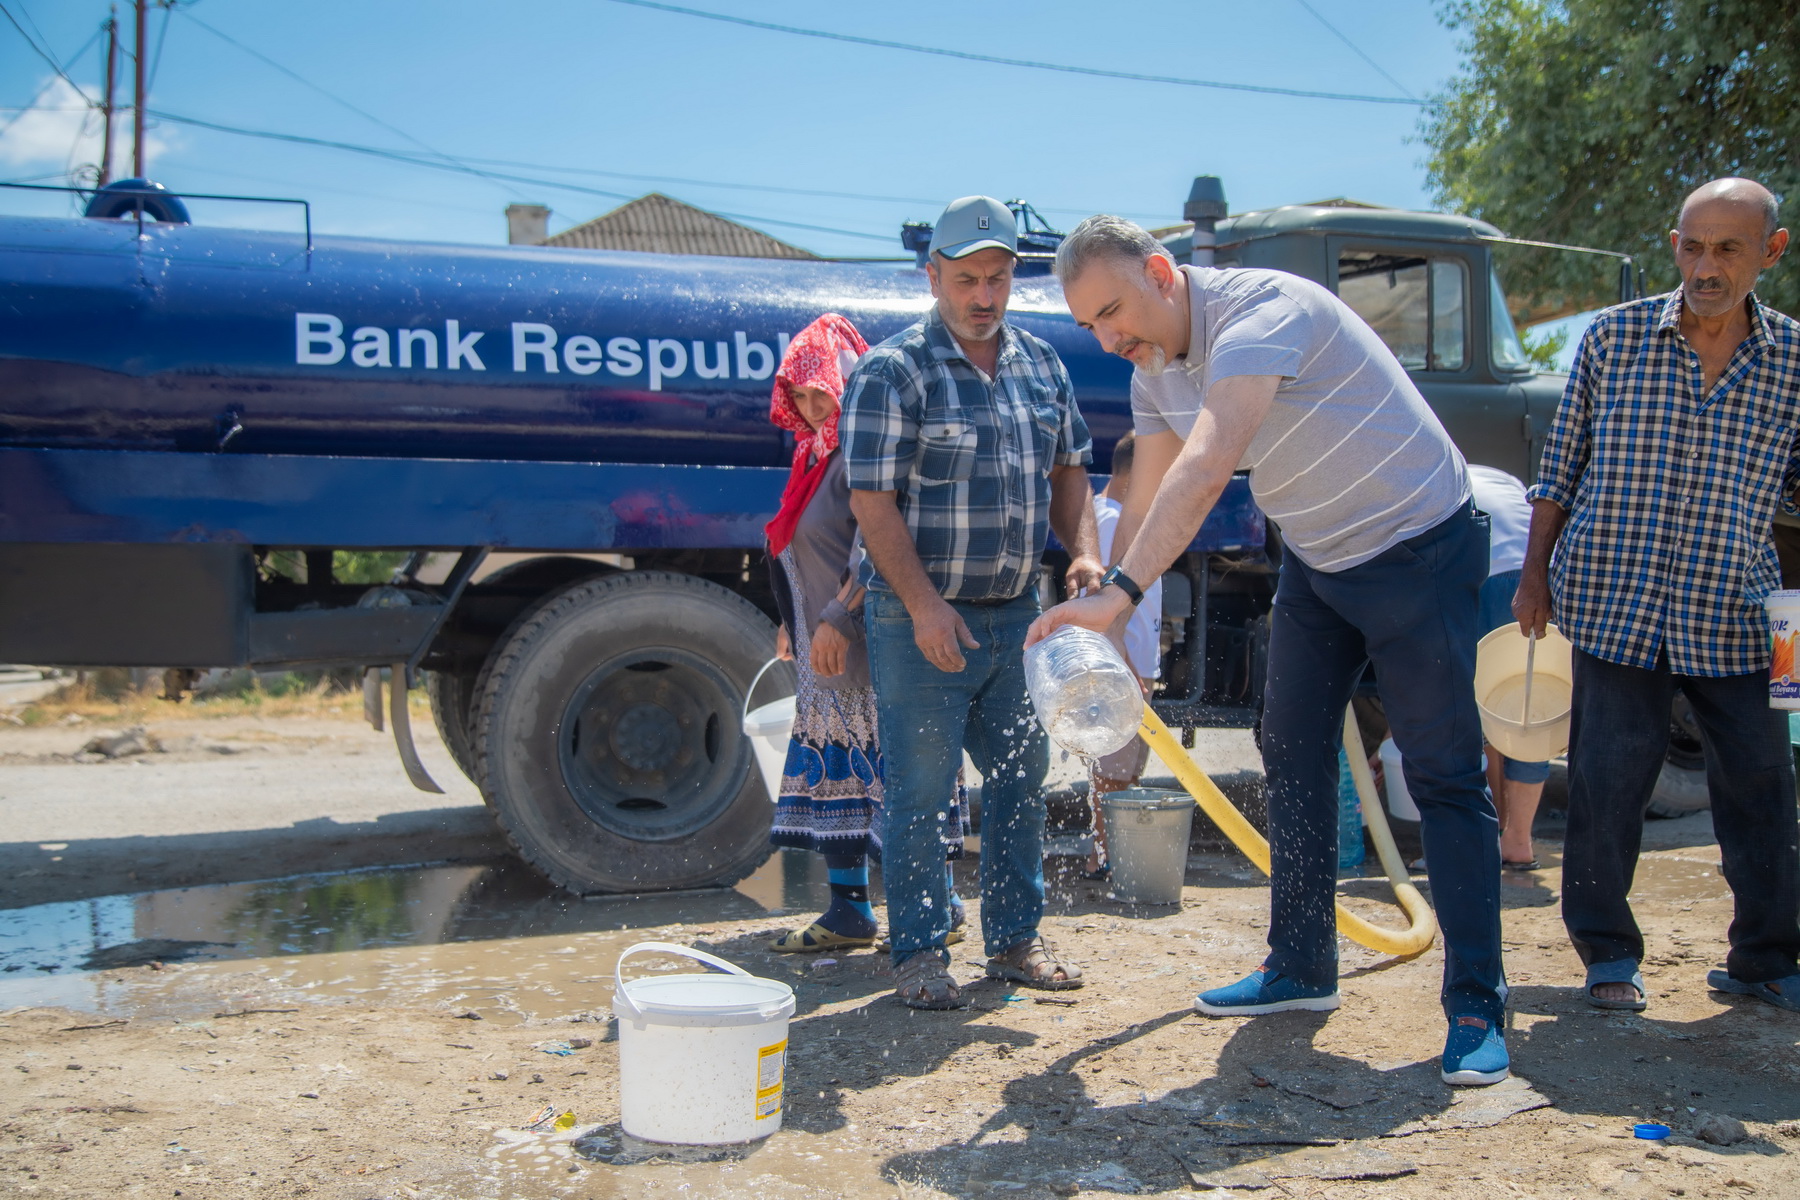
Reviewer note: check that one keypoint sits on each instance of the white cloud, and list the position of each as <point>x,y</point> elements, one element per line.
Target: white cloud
<point>61,131</point>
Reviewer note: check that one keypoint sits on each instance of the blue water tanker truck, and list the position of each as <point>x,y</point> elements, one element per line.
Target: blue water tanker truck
<point>194,419</point>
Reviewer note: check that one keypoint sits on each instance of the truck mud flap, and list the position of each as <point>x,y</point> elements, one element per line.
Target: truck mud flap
<point>401,719</point>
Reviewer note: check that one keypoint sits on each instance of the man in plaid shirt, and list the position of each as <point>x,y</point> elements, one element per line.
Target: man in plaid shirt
<point>1650,547</point>
<point>963,446</point>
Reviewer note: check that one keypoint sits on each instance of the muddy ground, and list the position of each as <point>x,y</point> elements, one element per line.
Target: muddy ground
<point>386,1032</point>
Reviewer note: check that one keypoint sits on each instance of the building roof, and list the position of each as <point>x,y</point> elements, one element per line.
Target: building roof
<point>660,224</point>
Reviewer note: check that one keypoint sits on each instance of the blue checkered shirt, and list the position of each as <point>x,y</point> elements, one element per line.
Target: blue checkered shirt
<point>1670,488</point>
<point>969,458</point>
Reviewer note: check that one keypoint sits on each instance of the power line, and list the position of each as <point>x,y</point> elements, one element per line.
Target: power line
<point>311,186</point>
<point>447,164</point>
<point>1353,46</point>
<point>45,55</point>
<point>162,35</point>
<point>335,99</point>
<point>716,183</point>
<point>401,156</point>
<point>933,201</point>
<point>19,113</point>
<point>39,33</point>
<point>1013,62</point>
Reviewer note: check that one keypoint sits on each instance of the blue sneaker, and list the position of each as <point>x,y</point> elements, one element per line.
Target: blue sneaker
<point>1474,1053</point>
<point>1263,991</point>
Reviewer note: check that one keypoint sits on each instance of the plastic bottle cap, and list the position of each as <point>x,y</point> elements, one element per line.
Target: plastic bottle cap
<point>1650,1131</point>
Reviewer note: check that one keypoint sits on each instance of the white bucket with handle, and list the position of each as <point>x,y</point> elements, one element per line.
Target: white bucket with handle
<point>769,728</point>
<point>1523,687</point>
<point>702,1057</point>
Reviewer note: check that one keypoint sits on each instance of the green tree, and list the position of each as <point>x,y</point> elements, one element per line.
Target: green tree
<point>1588,121</point>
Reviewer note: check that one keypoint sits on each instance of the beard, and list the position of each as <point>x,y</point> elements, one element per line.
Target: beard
<point>1156,364</point>
<point>968,331</point>
<point>1713,304</point>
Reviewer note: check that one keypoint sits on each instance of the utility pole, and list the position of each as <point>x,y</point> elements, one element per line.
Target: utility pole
<point>137,110</point>
<point>112,73</point>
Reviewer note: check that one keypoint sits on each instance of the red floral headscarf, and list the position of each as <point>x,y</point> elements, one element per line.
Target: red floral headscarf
<point>820,356</point>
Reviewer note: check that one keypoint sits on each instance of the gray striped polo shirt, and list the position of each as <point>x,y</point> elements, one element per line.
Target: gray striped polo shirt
<point>1350,459</point>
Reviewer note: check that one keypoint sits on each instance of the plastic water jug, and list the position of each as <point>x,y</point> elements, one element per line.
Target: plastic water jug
<point>1087,697</point>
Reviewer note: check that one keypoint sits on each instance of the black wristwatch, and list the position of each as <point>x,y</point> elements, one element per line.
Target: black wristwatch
<point>1125,583</point>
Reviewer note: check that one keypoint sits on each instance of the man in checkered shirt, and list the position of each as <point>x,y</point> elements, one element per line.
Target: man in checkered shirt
<point>1650,547</point>
<point>963,446</point>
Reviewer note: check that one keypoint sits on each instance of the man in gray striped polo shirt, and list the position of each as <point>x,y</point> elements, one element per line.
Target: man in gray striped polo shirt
<point>1384,558</point>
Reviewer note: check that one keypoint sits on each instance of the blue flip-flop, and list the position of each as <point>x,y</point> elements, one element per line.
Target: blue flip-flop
<point>1620,970</point>
<point>1788,997</point>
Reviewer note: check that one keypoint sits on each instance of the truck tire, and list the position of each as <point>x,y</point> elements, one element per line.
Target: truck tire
<point>452,699</point>
<point>453,695</point>
<point>608,736</point>
<point>1681,788</point>
<point>1680,792</point>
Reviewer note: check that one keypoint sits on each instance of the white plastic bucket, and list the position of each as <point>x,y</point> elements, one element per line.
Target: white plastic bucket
<point>1784,642</point>
<point>1399,800</point>
<point>769,728</point>
<point>1147,843</point>
<point>1509,667</point>
<point>701,1057</point>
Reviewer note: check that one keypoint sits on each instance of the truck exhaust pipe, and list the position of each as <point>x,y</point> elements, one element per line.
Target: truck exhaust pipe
<point>1205,207</point>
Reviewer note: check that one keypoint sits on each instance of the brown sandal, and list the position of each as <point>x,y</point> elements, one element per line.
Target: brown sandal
<point>1032,963</point>
<point>924,981</point>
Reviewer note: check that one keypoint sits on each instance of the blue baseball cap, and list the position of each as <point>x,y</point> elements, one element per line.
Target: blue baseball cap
<point>974,223</point>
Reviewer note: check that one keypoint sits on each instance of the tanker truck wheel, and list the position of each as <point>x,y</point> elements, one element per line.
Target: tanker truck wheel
<point>609,735</point>
<point>1681,788</point>
<point>454,695</point>
<point>452,702</point>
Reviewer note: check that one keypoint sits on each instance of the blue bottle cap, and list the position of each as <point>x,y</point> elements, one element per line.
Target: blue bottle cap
<point>1650,1131</point>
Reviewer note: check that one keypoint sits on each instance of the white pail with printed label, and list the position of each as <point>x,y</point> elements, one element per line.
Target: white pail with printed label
<point>701,1057</point>
<point>1784,643</point>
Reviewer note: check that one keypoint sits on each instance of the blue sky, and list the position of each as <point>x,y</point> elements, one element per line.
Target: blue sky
<point>603,86</point>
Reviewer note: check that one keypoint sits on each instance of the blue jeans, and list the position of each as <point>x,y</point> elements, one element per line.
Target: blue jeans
<point>1410,611</point>
<point>1618,734</point>
<point>928,717</point>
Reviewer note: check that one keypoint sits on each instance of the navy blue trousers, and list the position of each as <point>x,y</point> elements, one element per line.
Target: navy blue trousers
<point>1618,736</point>
<point>1411,611</point>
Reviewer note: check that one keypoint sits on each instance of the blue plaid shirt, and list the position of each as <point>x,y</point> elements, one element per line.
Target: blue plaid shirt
<point>968,457</point>
<point>1670,488</point>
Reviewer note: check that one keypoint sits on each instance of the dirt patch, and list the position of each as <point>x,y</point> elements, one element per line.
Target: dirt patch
<point>413,1070</point>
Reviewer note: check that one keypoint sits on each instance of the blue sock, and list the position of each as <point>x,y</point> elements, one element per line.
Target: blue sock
<point>956,904</point>
<point>850,914</point>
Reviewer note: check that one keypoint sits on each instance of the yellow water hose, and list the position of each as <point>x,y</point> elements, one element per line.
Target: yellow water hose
<point>1225,815</point>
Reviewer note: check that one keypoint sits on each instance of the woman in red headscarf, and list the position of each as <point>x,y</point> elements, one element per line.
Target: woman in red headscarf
<point>831,785</point>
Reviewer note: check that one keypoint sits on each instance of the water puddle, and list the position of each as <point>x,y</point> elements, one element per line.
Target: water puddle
<point>464,934</point>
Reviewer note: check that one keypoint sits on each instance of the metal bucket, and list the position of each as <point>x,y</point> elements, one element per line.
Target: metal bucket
<point>1147,843</point>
